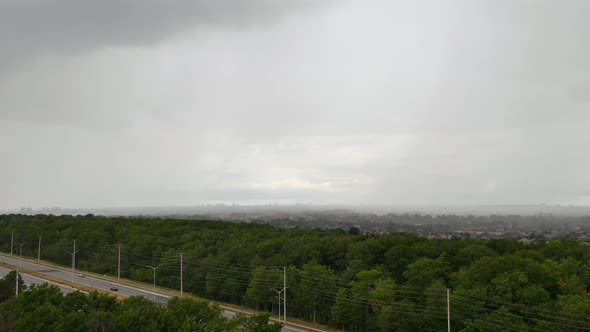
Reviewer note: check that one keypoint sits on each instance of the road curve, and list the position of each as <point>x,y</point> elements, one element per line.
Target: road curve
<point>102,284</point>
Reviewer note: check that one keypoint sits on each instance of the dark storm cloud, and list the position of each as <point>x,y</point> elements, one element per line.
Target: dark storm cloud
<point>38,36</point>
<point>28,27</point>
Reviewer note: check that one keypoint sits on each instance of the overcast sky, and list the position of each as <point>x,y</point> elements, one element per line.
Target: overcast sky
<point>149,103</point>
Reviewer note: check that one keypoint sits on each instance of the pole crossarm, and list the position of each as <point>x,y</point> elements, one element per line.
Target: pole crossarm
<point>154,268</point>
<point>73,253</point>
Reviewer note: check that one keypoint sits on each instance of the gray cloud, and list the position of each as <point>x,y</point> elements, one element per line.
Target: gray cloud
<point>29,27</point>
<point>462,102</point>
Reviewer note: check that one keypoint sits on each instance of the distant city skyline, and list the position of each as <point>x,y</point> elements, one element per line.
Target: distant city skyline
<point>388,103</point>
<point>232,211</point>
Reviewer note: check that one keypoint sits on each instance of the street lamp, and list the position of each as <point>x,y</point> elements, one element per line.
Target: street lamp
<point>279,296</point>
<point>73,253</point>
<point>154,269</point>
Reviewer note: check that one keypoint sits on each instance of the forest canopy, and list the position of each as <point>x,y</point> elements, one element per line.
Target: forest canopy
<point>395,282</point>
<point>44,308</point>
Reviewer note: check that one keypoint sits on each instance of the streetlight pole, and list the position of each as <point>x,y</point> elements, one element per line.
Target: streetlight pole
<point>73,253</point>
<point>154,269</point>
<point>279,295</point>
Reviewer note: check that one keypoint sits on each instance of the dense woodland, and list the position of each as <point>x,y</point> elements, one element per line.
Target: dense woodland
<point>340,278</point>
<point>44,308</point>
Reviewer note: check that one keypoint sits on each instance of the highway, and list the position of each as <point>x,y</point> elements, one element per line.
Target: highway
<point>86,280</point>
<point>102,284</point>
<point>31,280</point>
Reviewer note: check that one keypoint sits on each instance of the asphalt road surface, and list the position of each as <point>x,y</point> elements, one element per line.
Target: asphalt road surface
<point>122,289</point>
<point>86,280</point>
<point>31,280</point>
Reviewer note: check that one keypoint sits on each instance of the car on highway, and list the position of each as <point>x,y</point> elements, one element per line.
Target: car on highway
<point>114,289</point>
<point>81,275</point>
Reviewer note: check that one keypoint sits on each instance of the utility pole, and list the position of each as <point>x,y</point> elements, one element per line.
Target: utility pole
<point>39,250</point>
<point>181,290</point>
<point>119,264</point>
<point>11,242</point>
<point>448,310</point>
<point>154,268</point>
<point>285,295</point>
<point>73,253</point>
